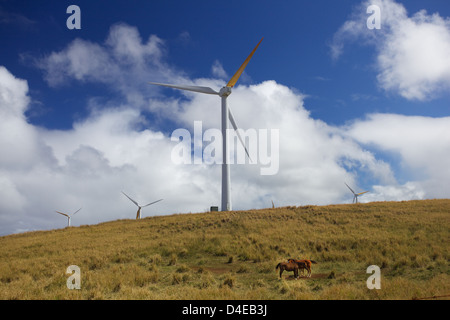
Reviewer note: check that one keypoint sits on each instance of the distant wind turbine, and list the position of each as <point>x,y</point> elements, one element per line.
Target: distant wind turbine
<point>226,114</point>
<point>138,214</point>
<point>355,195</point>
<point>68,216</point>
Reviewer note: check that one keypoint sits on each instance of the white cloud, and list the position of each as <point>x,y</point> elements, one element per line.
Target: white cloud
<point>413,53</point>
<point>218,70</point>
<point>123,62</point>
<point>88,167</point>
<point>106,153</point>
<point>407,191</point>
<point>112,149</point>
<point>423,144</point>
<point>18,140</point>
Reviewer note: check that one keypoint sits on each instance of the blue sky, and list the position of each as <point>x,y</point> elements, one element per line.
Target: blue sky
<point>80,123</point>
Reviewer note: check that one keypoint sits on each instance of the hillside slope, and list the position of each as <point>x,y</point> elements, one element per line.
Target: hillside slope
<point>232,255</point>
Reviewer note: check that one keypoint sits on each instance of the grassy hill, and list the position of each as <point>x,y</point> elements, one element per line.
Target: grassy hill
<point>232,255</point>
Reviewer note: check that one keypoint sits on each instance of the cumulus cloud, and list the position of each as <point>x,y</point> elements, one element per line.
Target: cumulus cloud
<point>123,62</point>
<point>422,143</point>
<point>408,191</point>
<point>413,52</point>
<point>113,149</point>
<point>18,140</point>
<point>88,165</point>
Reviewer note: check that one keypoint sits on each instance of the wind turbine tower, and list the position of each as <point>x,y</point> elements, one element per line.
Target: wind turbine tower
<point>226,115</point>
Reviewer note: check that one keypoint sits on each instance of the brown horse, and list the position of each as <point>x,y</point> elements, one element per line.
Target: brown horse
<point>291,265</point>
<point>304,264</point>
<point>288,266</point>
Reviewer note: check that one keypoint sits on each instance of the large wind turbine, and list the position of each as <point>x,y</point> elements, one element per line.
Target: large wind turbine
<point>68,216</point>
<point>226,114</point>
<point>355,195</point>
<point>138,214</point>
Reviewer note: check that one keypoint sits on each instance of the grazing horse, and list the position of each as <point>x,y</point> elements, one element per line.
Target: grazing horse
<point>304,264</point>
<point>291,265</point>
<point>288,266</point>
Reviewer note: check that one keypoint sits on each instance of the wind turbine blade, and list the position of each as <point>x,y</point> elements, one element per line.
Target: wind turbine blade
<point>362,193</point>
<point>350,189</point>
<point>76,211</point>
<point>206,90</point>
<point>238,73</point>
<point>233,123</point>
<point>130,199</point>
<point>63,214</point>
<point>152,203</point>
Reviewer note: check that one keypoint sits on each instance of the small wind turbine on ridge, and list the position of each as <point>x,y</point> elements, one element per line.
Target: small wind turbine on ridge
<point>226,114</point>
<point>138,214</point>
<point>355,195</point>
<point>68,216</point>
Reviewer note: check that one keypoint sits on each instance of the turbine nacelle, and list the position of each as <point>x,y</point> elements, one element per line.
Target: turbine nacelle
<point>225,92</point>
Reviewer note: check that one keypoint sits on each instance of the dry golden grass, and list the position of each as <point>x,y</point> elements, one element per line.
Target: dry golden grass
<point>232,255</point>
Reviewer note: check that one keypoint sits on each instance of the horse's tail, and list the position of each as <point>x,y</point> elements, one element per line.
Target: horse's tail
<point>312,261</point>
<point>278,265</point>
